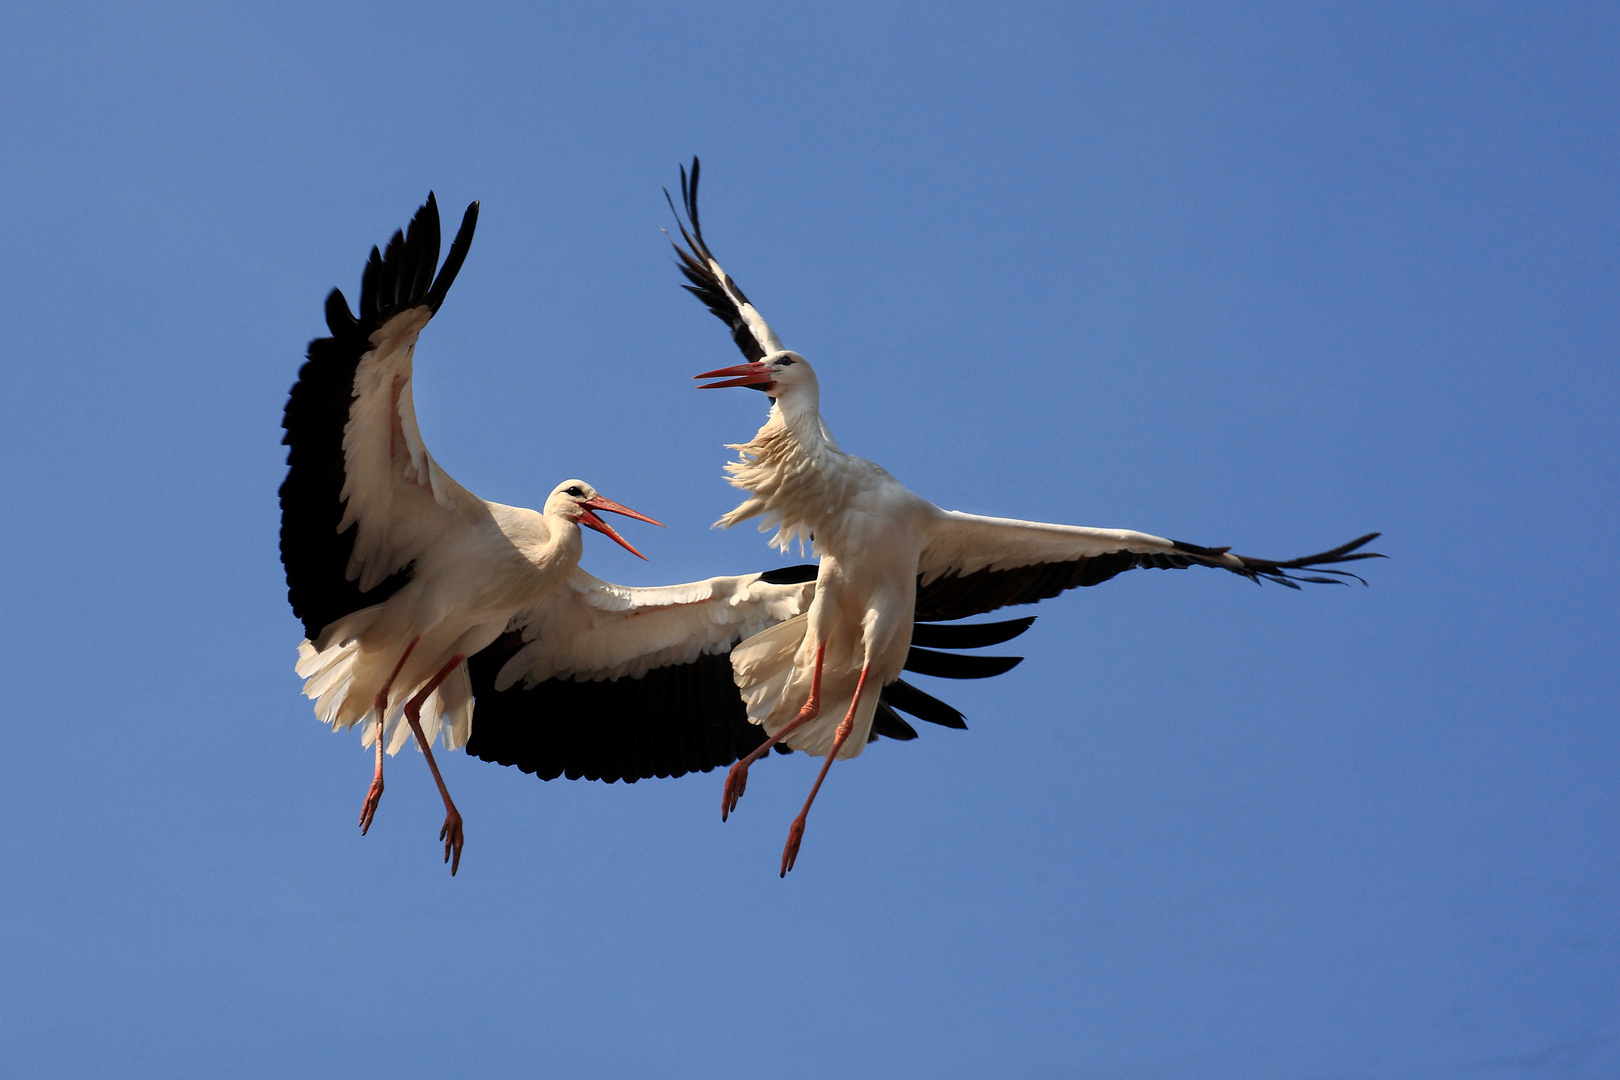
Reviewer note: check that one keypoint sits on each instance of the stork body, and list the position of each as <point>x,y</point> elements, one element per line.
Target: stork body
<point>888,557</point>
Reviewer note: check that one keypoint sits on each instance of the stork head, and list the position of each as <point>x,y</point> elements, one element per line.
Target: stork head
<point>779,374</point>
<point>577,501</point>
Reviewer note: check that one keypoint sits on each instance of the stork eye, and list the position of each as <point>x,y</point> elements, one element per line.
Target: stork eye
<point>785,361</point>
<point>576,492</point>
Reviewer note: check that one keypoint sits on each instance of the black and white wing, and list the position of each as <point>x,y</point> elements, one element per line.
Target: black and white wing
<point>713,285</point>
<point>975,564</point>
<point>605,682</point>
<point>363,497</point>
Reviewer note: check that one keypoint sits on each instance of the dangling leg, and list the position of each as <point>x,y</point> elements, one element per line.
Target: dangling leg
<point>451,833</point>
<point>737,778</point>
<point>790,850</point>
<point>380,706</point>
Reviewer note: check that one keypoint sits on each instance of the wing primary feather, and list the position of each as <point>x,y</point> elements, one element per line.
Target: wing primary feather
<point>339,320</point>
<point>908,699</point>
<point>968,636</point>
<point>889,724</point>
<point>943,665</point>
<point>452,261</point>
<point>1275,570</point>
<point>423,239</point>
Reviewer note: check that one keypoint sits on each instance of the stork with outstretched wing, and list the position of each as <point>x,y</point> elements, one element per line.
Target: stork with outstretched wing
<point>888,557</point>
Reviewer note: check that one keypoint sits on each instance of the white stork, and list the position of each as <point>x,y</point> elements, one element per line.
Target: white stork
<point>399,575</point>
<point>398,572</point>
<point>888,557</point>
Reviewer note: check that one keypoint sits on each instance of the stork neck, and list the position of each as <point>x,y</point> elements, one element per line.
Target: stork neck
<point>565,540</point>
<point>799,411</point>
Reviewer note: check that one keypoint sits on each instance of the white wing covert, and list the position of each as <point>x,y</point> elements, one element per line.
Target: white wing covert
<point>590,629</point>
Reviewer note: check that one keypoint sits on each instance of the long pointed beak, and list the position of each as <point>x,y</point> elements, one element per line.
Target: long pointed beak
<point>754,375</point>
<point>592,521</point>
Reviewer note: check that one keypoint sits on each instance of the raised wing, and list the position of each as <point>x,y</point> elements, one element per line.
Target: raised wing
<point>605,682</point>
<point>713,285</point>
<point>975,564</point>
<point>362,495</point>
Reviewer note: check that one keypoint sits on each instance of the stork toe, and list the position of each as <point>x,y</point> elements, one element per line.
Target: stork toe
<point>453,838</point>
<point>790,850</point>
<point>736,784</point>
<point>369,810</point>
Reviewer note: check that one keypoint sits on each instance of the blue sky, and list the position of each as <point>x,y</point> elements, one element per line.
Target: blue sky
<point>1268,276</point>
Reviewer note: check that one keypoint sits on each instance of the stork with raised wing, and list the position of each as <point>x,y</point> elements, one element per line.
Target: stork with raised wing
<point>888,557</point>
<point>398,573</point>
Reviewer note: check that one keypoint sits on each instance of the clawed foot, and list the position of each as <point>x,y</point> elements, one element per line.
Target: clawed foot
<point>736,784</point>
<point>790,850</point>
<point>451,835</point>
<point>369,810</point>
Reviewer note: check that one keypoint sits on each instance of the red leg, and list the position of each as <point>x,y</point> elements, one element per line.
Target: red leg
<point>790,850</point>
<point>380,706</point>
<point>451,833</point>
<point>737,778</point>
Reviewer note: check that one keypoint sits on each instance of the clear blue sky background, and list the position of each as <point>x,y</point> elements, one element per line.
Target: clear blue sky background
<point>1270,276</point>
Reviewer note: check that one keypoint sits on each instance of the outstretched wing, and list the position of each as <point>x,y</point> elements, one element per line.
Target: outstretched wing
<point>362,495</point>
<point>713,285</point>
<point>975,564</point>
<point>604,682</point>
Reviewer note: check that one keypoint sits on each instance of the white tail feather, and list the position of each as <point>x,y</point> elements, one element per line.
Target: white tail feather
<point>773,670</point>
<point>330,677</point>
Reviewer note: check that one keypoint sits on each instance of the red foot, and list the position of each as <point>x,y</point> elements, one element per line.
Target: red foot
<point>369,810</point>
<point>790,850</point>
<point>453,839</point>
<point>736,784</point>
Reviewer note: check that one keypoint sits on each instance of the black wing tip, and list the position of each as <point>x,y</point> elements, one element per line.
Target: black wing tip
<point>339,319</point>
<point>452,261</point>
<point>936,635</point>
<point>400,275</point>
<point>1277,570</point>
<point>924,706</point>
<point>944,665</point>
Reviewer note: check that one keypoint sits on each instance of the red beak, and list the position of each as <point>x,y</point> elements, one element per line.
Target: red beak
<point>755,375</point>
<point>592,521</point>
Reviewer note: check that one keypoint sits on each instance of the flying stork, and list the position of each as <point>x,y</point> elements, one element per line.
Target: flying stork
<point>419,599</point>
<point>397,572</point>
<point>888,557</point>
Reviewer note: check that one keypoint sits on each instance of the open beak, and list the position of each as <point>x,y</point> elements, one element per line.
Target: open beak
<point>598,503</point>
<point>755,375</point>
